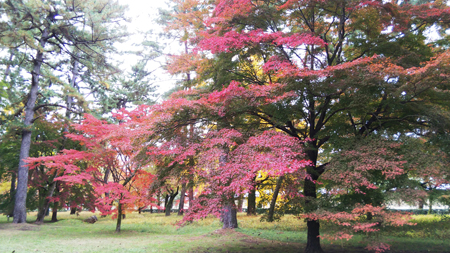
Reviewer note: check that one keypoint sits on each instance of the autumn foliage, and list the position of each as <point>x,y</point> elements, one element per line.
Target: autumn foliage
<point>109,163</point>
<point>308,90</point>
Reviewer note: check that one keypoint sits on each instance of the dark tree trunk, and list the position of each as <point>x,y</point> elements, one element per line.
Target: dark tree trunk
<point>158,199</point>
<point>191,196</point>
<point>430,204</point>
<point>20,209</point>
<point>313,239</point>
<point>182,196</point>
<point>119,217</point>
<point>55,212</point>
<point>240,203</point>
<point>73,210</point>
<point>310,193</point>
<point>55,205</point>
<point>274,199</point>
<point>169,201</point>
<point>228,215</point>
<point>313,242</point>
<point>42,211</point>
<point>169,206</point>
<point>421,204</point>
<point>166,201</point>
<point>251,202</point>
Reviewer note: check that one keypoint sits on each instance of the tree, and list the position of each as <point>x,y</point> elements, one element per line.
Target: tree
<point>111,149</point>
<point>54,28</point>
<point>340,68</point>
<point>226,160</point>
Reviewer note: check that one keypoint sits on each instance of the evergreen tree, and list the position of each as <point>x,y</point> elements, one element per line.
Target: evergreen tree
<point>47,34</point>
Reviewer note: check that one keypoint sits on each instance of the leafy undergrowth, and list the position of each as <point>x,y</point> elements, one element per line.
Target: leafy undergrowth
<point>156,233</point>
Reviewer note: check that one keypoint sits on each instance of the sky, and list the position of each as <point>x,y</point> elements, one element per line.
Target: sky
<point>142,13</point>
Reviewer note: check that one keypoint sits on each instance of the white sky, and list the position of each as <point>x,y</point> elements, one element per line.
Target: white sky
<point>142,13</point>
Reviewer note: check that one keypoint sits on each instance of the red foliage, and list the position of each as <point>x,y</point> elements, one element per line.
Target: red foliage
<point>271,152</point>
<point>110,162</point>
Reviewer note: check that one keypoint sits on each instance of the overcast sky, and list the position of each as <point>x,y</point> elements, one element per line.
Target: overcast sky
<point>143,11</point>
<point>142,14</point>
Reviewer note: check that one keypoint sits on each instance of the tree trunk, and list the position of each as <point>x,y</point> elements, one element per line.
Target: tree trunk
<point>45,203</point>
<point>158,199</point>
<point>169,201</point>
<point>421,204</point>
<point>369,215</point>
<point>274,199</point>
<point>191,196</point>
<point>20,209</point>
<point>55,212</point>
<point>119,217</point>
<point>55,205</point>
<point>73,210</point>
<point>313,239</point>
<point>228,215</point>
<point>240,203</point>
<point>430,204</point>
<point>12,192</point>
<point>169,206</point>
<point>251,202</point>
<point>310,193</point>
<point>181,205</point>
<point>166,202</point>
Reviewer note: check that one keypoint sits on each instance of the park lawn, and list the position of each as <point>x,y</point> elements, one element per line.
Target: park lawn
<point>157,233</point>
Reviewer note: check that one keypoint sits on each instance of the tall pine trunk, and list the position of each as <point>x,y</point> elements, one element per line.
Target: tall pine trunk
<point>20,209</point>
<point>274,199</point>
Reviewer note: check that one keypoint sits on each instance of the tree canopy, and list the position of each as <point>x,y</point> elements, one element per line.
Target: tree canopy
<point>343,103</point>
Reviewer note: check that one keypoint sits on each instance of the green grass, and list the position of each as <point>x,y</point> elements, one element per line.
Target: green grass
<point>157,233</point>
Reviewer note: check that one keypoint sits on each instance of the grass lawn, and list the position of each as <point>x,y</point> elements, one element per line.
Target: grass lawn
<point>156,233</point>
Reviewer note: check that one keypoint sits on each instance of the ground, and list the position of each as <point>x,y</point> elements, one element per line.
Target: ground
<point>157,233</point>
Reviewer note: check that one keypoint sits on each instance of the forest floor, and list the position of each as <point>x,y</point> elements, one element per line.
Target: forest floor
<point>156,233</point>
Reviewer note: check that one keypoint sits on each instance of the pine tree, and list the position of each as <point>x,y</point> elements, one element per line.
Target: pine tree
<point>45,33</point>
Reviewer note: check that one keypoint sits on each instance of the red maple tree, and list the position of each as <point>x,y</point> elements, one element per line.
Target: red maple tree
<point>111,162</point>
<point>321,72</point>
